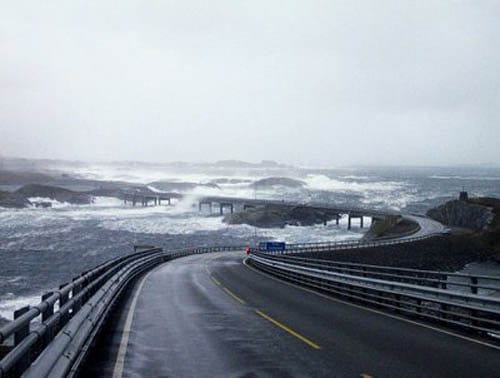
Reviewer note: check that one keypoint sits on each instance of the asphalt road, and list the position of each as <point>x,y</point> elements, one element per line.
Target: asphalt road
<point>427,227</point>
<point>212,316</point>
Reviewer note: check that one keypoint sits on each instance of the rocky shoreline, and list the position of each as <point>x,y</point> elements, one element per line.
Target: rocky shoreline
<point>21,197</point>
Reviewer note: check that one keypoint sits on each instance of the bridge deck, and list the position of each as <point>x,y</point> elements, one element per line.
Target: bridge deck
<point>355,211</point>
<point>210,315</point>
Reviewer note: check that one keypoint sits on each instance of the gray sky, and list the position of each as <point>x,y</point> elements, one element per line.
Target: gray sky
<point>305,82</point>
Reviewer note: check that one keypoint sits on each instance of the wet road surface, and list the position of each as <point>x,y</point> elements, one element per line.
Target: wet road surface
<point>212,316</point>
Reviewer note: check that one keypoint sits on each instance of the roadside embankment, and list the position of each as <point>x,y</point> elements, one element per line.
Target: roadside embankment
<point>448,253</point>
<point>391,226</point>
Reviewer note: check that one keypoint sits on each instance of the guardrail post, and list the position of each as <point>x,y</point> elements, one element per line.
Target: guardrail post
<point>62,301</point>
<point>419,305</point>
<point>473,287</point>
<point>444,285</point>
<point>77,303</point>
<point>50,310</point>
<point>45,315</point>
<point>19,336</point>
<point>23,332</point>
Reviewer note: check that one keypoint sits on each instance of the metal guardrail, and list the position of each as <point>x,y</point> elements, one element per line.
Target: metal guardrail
<point>472,283</point>
<point>349,244</point>
<point>466,311</point>
<point>70,317</point>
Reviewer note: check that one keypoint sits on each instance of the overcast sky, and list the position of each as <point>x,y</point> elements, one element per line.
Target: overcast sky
<point>304,82</point>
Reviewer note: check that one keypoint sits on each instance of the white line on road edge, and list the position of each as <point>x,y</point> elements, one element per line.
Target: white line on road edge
<point>120,358</point>
<point>484,343</point>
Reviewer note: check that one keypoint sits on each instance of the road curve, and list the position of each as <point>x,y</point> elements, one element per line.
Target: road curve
<point>428,227</point>
<point>212,316</point>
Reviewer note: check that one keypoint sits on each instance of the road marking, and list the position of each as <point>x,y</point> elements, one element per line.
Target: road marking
<point>122,351</point>
<point>217,282</point>
<point>289,330</point>
<point>372,310</point>
<point>364,375</point>
<point>234,295</point>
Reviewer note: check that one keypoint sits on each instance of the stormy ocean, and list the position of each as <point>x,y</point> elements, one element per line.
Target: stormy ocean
<point>41,248</point>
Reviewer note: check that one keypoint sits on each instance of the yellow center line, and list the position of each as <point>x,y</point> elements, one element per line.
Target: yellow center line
<point>364,375</point>
<point>234,295</point>
<point>217,282</point>
<point>289,330</point>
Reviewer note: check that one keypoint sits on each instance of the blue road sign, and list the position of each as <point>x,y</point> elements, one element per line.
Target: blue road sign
<point>272,246</point>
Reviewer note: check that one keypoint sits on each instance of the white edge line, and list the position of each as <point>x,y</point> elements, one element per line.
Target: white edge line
<point>122,351</point>
<point>372,310</point>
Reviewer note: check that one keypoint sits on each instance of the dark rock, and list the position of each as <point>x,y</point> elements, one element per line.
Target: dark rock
<point>278,181</point>
<point>463,214</point>
<point>43,205</point>
<point>13,200</point>
<point>390,227</point>
<point>275,216</point>
<point>481,215</point>
<point>55,193</point>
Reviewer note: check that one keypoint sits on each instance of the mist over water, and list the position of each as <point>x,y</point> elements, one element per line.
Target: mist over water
<point>42,248</point>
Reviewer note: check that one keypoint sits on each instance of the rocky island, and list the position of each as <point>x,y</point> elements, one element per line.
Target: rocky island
<point>278,181</point>
<point>279,216</point>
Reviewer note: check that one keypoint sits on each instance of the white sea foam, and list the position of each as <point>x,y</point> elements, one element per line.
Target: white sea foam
<point>322,182</point>
<point>9,303</point>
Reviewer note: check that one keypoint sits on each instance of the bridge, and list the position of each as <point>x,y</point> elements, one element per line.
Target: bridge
<point>234,204</point>
<point>145,198</point>
<point>220,312</point>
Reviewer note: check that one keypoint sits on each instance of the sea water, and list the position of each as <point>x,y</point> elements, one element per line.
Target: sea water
<point>41,248</point>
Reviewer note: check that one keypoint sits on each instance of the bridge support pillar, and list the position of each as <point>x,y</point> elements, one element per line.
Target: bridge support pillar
<point>200,206</point>
<point>349,222</point>
<point>337,218</point>
<point>226,204</point>
<point>361,222</point>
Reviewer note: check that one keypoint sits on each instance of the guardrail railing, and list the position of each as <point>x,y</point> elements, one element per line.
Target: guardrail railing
<point>58,331</point>
<point>471,283</point>
<point>467,311</point>
<point>348,244</point>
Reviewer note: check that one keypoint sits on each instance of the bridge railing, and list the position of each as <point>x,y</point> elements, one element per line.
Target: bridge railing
<point>468,312</point>
<point>58,331</point>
